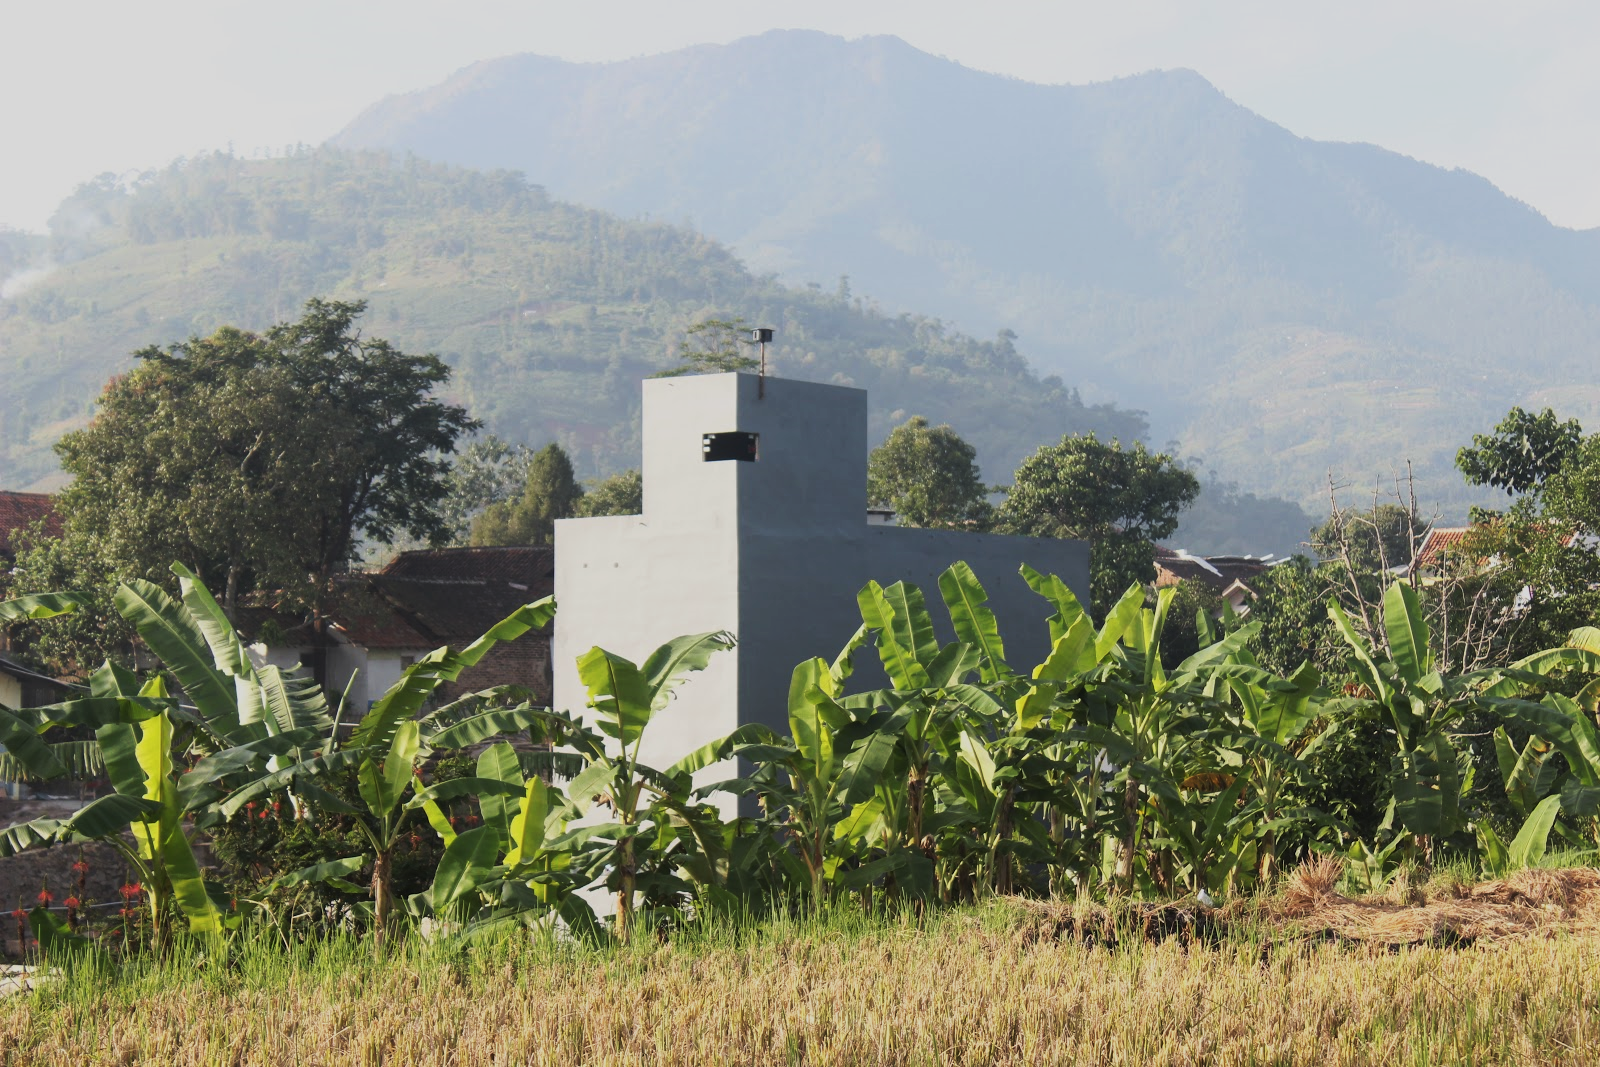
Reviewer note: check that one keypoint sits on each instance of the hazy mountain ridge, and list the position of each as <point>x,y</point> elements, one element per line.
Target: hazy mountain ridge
<point>1149,239</point>
<point>550,313</point>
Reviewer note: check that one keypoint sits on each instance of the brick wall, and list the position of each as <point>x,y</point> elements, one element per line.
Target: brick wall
<point>524,662</point>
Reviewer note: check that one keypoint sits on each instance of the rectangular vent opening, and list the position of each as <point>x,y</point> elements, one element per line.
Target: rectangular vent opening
<point>735,444</point>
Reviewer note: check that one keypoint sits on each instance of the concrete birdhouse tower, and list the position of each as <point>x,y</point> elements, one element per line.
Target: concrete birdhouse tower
<point>755,521</point>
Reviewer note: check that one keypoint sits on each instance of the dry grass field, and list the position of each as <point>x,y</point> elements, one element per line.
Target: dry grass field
<point>1303,979</point>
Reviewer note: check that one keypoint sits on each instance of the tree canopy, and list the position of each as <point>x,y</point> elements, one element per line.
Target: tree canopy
<point>550,492</point>
<point>1521,452</point>
<point>620,494</point>
<point>1121,500</point>
<point>713,346</point>
<point>929,476</point>
<point>259,459</point>
<point>1371,541</point>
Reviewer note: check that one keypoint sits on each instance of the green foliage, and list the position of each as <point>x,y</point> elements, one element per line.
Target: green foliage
<point>620,494</point>
<point>1522,452</point>
<point>73,643</point>
<point>1541,549</point>
<point>487,471</point>
<point>929,476</point>
<point>1192,619</point>
<point>1120,500</point>
<point>1106,768</point>
<point>1291,604</point>
<point>259,459</point>
<point>714,346</point>
<point>550,492</point>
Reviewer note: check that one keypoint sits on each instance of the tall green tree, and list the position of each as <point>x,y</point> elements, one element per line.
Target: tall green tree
<point>620,494</point>
<point>260,459</point>
<point>550,492</point>
<point>929,476</point>
<point>485,472</point>
<point>1120,500</point>
<point>387,475</point>
<point>1540,549</point>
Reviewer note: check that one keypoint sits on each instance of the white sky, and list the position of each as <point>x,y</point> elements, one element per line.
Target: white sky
<point>1509,89</point>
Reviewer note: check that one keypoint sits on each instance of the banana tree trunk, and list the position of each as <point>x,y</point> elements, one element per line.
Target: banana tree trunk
<point>916,786</point>
<point>1268,869</point>
<point>1002,834</point>
<point>629,879</point>
<point>381,901</point>
<point>1125,850</point>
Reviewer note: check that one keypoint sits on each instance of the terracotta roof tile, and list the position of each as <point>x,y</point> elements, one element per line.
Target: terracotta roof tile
<point>1438,543</point>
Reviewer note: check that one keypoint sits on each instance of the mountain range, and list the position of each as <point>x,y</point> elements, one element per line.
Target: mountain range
<point>548,312</point>
<point>1288,309</point>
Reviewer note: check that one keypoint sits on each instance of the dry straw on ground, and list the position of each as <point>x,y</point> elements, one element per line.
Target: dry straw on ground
<point>1529,903</point>
<point>996,987</point>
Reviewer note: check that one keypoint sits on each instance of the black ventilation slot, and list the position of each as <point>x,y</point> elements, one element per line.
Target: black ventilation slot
<point>734,444</point>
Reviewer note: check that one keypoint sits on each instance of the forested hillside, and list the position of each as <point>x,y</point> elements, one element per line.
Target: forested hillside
<point>1280,305</point>
<point>549,313</point>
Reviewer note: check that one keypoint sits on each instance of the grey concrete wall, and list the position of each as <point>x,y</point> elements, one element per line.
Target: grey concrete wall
<point>628,587</point>
<point>773,550</point>
<point>798,598</point>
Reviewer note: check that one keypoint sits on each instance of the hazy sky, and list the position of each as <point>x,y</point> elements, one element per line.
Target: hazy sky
<point>1510,89</point>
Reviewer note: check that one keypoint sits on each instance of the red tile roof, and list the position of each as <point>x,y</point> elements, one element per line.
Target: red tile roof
<point>1438,543</point>
<point>18,510</point>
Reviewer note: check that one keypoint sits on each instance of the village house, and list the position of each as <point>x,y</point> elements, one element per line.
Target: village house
<point>383,621</point>
<point>1227,576</point>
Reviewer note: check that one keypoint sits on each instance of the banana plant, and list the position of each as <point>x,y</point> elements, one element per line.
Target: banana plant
<point>1071,696</point>
<point>388,746</point>
<point>933,705</point>
<point>1422,705</point>
<point>818,785</point>
<point>1267,719</point>
<point>1527,848</point>
<point>1152,739</point>
<point>655,828</point>
<point>145,739</point>
<point>520,864</point>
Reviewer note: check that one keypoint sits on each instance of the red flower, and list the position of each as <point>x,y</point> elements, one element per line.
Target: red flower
<point>250,807</point>
<point>45,897</point>
<point>277,805</point>
<point>131,891</point>
<point>80,868</point>
<point>72,903</point>
<point>452,822</point>
<point>472,820</point>
<point>264,813</point>
<point>19,915</point>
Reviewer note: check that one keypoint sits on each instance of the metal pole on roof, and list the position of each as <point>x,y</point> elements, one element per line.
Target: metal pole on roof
<point>760,336</point>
